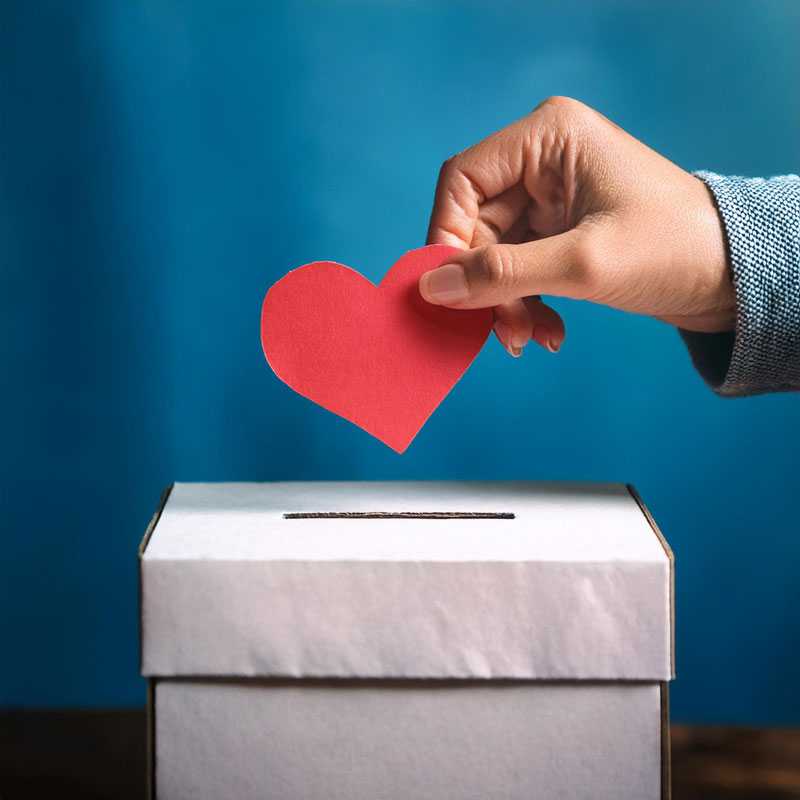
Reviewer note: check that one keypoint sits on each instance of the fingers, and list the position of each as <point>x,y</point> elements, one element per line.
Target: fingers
<point>499,274</point>
<point>455,209</point>
<point>548,327</point>
<point>470,179</point>
<point>528,319</point>
<point>513,326</point>
<point>499,216</point>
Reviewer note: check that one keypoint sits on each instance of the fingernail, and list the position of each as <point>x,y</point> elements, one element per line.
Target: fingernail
<point>516,346</point>
<point>446,285</point>
<point>504,335</point>
<point>519,342</point>
<point>543,337</point>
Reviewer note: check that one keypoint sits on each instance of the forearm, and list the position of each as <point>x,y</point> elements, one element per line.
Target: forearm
<point>761,219</point>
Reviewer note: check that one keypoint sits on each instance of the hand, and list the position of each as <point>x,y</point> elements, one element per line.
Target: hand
<point>565,203</point>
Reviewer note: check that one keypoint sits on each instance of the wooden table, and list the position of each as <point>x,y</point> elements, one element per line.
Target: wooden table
<point>97,755</point>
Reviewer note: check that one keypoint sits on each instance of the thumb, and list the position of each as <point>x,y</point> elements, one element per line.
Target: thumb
<point>501,273</point>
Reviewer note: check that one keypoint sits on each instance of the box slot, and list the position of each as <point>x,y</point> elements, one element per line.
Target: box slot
<point>399,515</point>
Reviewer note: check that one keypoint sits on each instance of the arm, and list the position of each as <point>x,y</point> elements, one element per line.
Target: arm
<point>565,203</point>
<point>762,231</point>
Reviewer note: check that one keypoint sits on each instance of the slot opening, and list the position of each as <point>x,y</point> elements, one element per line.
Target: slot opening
<point>399,515</point>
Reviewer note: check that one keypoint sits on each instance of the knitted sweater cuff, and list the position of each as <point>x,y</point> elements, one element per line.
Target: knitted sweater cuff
<point>761,218</point>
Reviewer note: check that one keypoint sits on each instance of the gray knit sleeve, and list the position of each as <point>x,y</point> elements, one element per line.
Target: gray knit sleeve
<point>761,219</point>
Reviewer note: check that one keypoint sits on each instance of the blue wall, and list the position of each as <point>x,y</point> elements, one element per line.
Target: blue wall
<point>164,162</point>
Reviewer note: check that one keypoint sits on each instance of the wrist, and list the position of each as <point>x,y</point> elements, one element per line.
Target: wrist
<point>714,263</point>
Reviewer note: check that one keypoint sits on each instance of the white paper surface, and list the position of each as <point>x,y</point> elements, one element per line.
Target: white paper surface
<point>554,522</point>
<point>255,740</point>
<point>577,586</point>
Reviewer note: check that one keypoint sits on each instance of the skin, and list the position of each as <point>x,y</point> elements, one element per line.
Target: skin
<point>565,203</point>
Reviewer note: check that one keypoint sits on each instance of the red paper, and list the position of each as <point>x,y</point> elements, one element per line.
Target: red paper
<point>379,356</point>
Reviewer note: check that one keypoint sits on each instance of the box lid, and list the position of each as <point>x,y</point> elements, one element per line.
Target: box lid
<point>512,580</point>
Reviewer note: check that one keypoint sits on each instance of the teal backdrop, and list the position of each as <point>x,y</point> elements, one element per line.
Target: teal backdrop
<point>163,162</point>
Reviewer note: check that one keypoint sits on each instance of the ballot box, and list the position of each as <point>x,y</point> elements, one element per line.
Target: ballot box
<point>406,641</point>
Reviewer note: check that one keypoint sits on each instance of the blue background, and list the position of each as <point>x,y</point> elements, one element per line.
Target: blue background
<point>164,162</point>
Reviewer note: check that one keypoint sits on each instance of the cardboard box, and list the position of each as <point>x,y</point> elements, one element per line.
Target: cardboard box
<point>407,641</point>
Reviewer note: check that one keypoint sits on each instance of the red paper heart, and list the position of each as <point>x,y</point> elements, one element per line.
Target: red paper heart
<point>379,356</point>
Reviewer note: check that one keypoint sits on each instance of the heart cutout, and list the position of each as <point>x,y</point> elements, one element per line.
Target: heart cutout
<point>379,356</point>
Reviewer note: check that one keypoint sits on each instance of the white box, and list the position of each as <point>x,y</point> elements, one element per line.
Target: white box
<point>404,641</point>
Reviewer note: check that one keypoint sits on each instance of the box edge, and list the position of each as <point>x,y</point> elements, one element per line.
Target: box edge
<point>671,559</point>
<point>151,526</point>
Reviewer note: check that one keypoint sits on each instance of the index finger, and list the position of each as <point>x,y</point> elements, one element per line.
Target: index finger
<point>470,178</point>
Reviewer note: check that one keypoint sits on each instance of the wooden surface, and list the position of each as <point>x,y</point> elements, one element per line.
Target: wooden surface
<point>735,763</point>
<point>101,754</point>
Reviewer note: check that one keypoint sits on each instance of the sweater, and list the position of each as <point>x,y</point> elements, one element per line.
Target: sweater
<point>761,221</point>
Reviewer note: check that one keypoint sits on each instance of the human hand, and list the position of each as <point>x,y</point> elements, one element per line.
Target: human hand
<point>565,203</point>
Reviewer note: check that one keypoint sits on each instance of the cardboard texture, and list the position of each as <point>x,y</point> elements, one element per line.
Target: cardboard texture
<point>476,741</point>
<point>357,640</point>
<point>379,356</point>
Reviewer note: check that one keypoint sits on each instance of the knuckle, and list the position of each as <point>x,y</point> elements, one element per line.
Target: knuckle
<point>448,167</point>
<point>455,178</point>
<point>561,107</point>
<point>498,267</point>
<point>558,101</point>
